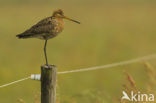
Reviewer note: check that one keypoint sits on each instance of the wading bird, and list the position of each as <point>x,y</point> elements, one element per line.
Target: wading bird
<point>47,28</point>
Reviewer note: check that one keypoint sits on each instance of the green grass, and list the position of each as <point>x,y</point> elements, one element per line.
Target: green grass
<point>109,32</point>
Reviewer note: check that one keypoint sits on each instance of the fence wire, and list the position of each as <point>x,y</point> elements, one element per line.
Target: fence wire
<point>144,58</point>
<point>111,65</point>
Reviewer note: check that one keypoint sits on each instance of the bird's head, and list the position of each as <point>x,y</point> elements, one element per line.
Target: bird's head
<point>59,14</point>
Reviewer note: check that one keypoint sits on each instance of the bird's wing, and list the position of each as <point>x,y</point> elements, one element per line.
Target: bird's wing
<point>44,26</point>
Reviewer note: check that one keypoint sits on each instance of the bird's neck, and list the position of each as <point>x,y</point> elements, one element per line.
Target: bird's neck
<point>60,20</point>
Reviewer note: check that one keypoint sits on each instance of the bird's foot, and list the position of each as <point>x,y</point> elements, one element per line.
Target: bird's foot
<point>48,66</point>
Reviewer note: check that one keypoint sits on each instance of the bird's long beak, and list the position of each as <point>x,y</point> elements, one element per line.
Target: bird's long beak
<point>71,19</point>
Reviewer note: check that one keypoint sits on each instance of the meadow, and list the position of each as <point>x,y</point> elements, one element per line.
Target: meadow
<point>110,31</point>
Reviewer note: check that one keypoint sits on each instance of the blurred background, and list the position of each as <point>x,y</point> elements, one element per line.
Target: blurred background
<point>110,31</point>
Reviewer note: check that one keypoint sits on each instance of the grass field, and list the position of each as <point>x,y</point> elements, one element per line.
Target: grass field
<point>110,31</point>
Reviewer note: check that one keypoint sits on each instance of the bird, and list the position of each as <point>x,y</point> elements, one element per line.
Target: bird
<point>47,28</point>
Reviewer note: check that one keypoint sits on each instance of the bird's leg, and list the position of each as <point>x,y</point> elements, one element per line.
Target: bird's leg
<point>45,52</point>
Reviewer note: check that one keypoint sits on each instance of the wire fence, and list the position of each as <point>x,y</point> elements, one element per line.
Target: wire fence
<point>144,58</point>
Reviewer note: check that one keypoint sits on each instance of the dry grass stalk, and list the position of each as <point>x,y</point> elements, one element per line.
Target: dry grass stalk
<point>150,73</point>
<point>131,81</point>
<point>57,101</point>
<point>151,84</point>
<point>36,98</point>
<point>21,100</point>
<point>129,86</point>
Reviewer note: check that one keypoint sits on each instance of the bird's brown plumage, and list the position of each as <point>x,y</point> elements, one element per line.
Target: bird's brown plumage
<point>44,29</point>
<point>47,28</point>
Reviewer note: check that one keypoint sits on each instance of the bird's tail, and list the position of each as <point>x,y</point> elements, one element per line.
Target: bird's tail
<point>23,36</point>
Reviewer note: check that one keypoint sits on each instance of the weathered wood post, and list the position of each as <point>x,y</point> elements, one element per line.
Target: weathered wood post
<point>48,83</point>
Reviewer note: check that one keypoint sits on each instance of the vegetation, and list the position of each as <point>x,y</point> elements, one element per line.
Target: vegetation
<point>110,31</point>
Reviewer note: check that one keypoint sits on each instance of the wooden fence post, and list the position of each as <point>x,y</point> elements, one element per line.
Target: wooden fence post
<point>48,84</point>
